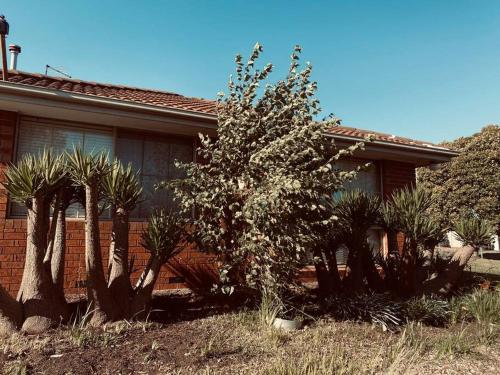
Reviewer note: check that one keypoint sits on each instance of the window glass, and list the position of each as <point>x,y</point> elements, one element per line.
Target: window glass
<point>35,135</point>
<point>366,180</point>
<point>154,158</point>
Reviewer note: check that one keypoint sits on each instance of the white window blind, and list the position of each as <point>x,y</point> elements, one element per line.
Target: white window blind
<point>34,135</point>
<point>154,157</point>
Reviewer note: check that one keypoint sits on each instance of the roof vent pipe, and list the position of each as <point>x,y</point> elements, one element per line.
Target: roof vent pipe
<point>4,31</point>
<point>14,51</point>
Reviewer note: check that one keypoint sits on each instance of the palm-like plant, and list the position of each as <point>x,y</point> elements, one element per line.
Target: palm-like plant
<point>356,212</point>
<point>161,239</point>
<point>122,190</point>
<point>406,213</point>
<point>89,171</point>
<point>474,232</point>
<point>33,181</point>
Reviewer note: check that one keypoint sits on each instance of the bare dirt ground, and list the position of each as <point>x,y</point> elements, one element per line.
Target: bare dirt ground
<point>209,340</point>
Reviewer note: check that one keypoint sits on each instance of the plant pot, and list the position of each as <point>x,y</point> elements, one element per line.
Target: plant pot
<point>287,325</point>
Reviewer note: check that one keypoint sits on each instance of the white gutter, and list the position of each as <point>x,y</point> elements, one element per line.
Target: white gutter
<point>23,89</point>
<point>395,145</point>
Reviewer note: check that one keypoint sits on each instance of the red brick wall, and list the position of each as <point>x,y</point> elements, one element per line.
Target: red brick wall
<point>196,268</point>
<point>13,241</point>
<point>396,175</point>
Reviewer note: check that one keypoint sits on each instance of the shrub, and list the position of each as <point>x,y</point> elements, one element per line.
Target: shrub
<point>427,310</point>
<point>378,309</point>
<point>481,306</point>
<point>473,232</point>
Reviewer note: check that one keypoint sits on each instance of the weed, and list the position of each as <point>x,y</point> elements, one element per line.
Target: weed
<point>16,368</point>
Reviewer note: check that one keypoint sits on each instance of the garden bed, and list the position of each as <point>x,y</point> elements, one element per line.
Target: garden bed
<point>207,337</point>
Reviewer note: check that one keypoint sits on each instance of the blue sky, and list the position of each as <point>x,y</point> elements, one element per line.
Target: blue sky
<point>423,69</point>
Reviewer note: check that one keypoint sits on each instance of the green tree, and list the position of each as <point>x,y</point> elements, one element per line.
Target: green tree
<point>257,192</point>
<point>469,183</point>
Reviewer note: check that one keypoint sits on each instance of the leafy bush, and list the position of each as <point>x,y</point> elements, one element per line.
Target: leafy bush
<point>378,309</point>
<point>473,232</point>
<point>481,306</point>
<point>427,310</point>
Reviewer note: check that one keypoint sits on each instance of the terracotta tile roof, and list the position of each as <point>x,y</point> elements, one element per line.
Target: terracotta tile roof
<point>382,137</point>
<point>175,101</point>
<point>125,93</point>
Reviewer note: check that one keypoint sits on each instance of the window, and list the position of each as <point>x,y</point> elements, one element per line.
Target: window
<point>35,134</point>
<point>154,157</point>
<point>366,180</point>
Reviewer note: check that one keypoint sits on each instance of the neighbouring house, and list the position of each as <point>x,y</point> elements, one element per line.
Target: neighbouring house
<point>150,129</point>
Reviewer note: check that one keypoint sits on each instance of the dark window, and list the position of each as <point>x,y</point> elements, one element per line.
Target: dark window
<point>154,157</point>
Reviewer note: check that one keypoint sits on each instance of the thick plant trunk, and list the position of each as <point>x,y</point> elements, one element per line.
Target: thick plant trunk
<point>43,307</point>
<point>11,314</point>
<point>375,281</point>
<point>409,267</point>
<point>119,282</point>
<point>59,251</point>
<point>141,302</point>
<point>353,279</point>
<point>98,294</point>
<point>447,280</point>
<point>323,275</point>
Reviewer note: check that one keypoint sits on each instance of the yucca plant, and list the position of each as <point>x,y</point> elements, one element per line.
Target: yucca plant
<point>122,190</point>
<point>89,171</point>
<point>356,211</point>
<point>33,181</point>
<point>162,239</point>
<point>474,232</point>
<point>407,212</point>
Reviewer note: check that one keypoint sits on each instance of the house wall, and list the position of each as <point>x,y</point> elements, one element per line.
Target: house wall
<point>190,269</point>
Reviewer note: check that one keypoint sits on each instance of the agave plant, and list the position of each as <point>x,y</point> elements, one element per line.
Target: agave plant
<point>473,232</point>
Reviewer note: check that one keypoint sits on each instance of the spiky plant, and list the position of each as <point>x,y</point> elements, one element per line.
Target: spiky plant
<point>162,239</point>
<point>356,211</point>
<point>122,186</point>
<point>407,212</point>
<point>122,190</point>
<point>473,232</point>
<point>33,181</point>
<point>89,171</point>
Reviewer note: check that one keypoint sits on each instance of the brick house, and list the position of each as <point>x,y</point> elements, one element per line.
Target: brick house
<point>150,129</point>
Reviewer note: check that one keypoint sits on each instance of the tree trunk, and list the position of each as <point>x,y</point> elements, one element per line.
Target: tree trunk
<point>119,282</point>
<point>98,294</point>
<point>353,279</point>
<point>59,251</point>
<point>444,282</point>
<point>375,281</point>
<point>323,277</point>
<point>141,302</point>
<point>42,306</point>
<point>11,314</point>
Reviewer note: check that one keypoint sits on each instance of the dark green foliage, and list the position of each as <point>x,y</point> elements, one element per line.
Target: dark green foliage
<point>474,232</point>
<point>430,311</point>
<point>469,182</point>
<point>163,235</point>
<point>122,186</point>
<point>378,309</point>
